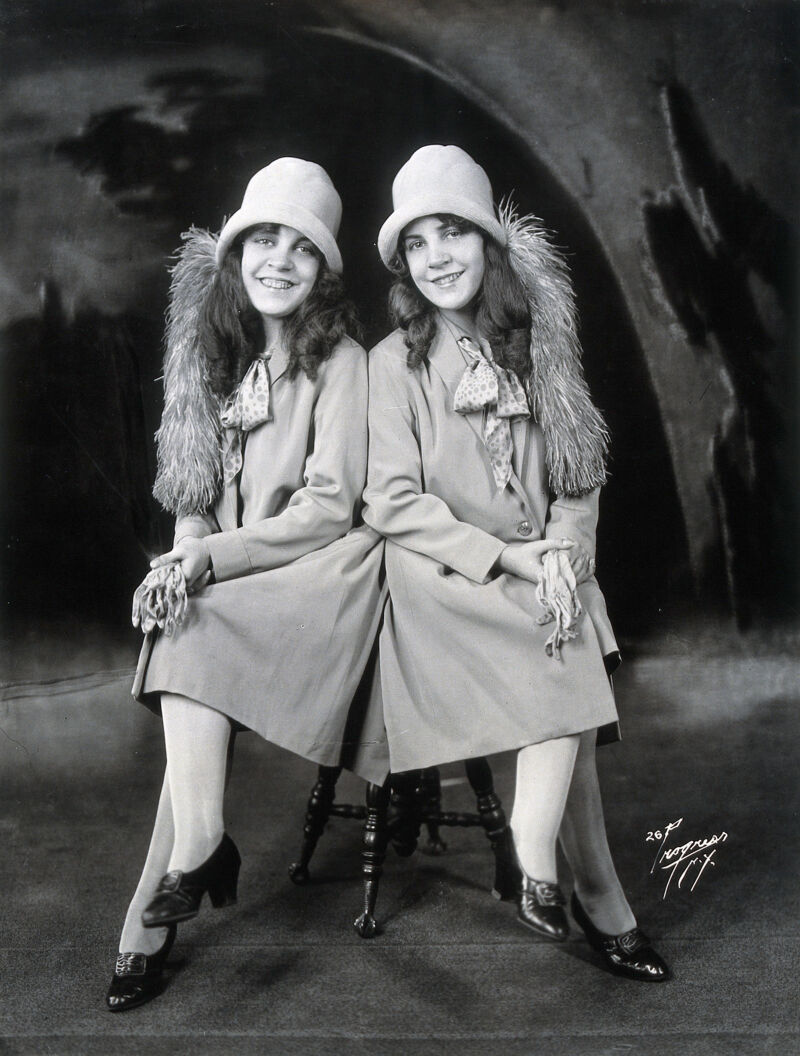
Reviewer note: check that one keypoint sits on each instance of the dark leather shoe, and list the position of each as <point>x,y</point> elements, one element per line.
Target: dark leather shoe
<point>541,907</point>
<point>629,954</point>
<point>178,895</point>
<point>137,977</point>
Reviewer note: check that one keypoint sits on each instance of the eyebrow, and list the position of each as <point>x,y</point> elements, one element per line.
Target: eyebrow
<point>440,225</point>
<point>413,234</point>
<point>275,229</point>
<point>304,240</point>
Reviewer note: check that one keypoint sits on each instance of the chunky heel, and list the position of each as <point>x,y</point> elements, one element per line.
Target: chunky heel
<point>179,894</point>
<point>224,894</point>
<point>507,880</point>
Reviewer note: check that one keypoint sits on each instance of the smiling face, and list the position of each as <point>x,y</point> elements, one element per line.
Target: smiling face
<point>445,259</point>
<point>279,269</point>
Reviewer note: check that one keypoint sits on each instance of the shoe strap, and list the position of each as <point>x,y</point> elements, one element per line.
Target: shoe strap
<point>170,881</point>
<point>545,893</point>
<point>629,942</point>
<point>131,964</point>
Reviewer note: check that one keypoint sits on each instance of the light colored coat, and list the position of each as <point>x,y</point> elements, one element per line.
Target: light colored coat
<point>279,643</point>
<point>463,669</point>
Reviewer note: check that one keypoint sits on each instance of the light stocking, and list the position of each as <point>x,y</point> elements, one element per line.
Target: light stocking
<point>585,845</point>
<point>197,739</point>
<point>543,777</point>
<point>134,937</point>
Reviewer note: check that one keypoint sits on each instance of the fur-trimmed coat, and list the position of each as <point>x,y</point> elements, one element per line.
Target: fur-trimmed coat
<point>280,641</point>
<point>463,669</point>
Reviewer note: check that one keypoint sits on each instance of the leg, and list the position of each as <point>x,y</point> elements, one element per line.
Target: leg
<point>599,905</point>
<point>143,951</point>
<point>197,739</point>
<point>373,853</point>
<point>204,859</point>
<point>317,813</point>
<point>493,819</point>
<point>134,937</point>
<point>585,845</point>
<point>544,772</point>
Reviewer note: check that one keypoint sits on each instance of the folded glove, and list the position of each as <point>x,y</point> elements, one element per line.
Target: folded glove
<point>160,599</point>
<point>557,593</point>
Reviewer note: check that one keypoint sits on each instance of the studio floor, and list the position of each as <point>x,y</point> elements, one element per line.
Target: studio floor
<point>710,737</point>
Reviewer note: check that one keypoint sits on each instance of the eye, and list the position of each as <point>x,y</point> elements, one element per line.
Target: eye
<point>306,247</point>
<point>263,240</point>
<point>414,243</point>
<point>452,232</point>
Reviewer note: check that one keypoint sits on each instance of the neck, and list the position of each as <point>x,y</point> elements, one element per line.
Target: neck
<point>462,320</point>
<point>273,329</point>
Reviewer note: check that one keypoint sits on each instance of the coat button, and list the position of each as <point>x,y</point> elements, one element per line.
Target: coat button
<point>524,528</point>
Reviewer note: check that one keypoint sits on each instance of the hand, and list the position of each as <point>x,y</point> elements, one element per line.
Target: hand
<point>201,581</point>
<point>582,564</point>
<point>193,555</point>
<point>525,559</point>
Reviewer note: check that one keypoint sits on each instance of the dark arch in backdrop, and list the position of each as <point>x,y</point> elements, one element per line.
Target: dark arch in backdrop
<point>359,111</point>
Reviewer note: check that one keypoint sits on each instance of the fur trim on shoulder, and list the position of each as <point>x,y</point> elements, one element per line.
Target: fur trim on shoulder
<point>576,437</point>
<point>189,473</point>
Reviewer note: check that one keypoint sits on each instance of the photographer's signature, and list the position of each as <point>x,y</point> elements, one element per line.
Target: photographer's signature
<point>684,862</point>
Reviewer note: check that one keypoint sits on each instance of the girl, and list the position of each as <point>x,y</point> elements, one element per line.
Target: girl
<point>486,458</point>
<point>262,456</point>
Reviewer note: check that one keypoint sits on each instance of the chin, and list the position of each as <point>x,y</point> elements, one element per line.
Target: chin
<point>276,308</point>
<point>453,304</point>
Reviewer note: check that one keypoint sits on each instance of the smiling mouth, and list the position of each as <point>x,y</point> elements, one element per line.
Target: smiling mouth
<point>447,280</point>
<point>276,284</point>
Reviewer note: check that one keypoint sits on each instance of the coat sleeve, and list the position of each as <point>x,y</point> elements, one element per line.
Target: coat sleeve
<point>576,519</point>
<point>325,508</point>
<point>396,504</point>
<point>195,526</point>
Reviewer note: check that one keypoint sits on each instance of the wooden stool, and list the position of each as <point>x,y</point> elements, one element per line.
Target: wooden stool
<point>394,812</point>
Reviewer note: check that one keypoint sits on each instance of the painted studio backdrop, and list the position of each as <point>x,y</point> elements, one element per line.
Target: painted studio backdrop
<point>658,139</point>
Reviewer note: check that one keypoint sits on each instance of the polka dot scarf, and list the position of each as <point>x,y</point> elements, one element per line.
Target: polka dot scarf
<point>244,409</point>
<point>486,386</point>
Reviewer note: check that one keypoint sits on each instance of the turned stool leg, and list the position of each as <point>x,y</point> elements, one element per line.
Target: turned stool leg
<point>507,877</point>
<point>432,805</point>
<point>373,852</point>
<point>317,813</point>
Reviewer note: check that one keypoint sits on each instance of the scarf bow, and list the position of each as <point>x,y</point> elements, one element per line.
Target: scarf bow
<point>487,386</point>
<point>244,409</point>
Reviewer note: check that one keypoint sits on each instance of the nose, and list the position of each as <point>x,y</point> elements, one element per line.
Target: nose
<point>438,255</point>
<point>279,258</point>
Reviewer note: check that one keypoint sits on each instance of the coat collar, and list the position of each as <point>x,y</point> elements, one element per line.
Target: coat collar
<point>278,363</point>
<point>448,360</point>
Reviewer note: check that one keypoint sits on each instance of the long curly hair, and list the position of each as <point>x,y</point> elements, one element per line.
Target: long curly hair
<point>502,312</point>
<point>232,331</point>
